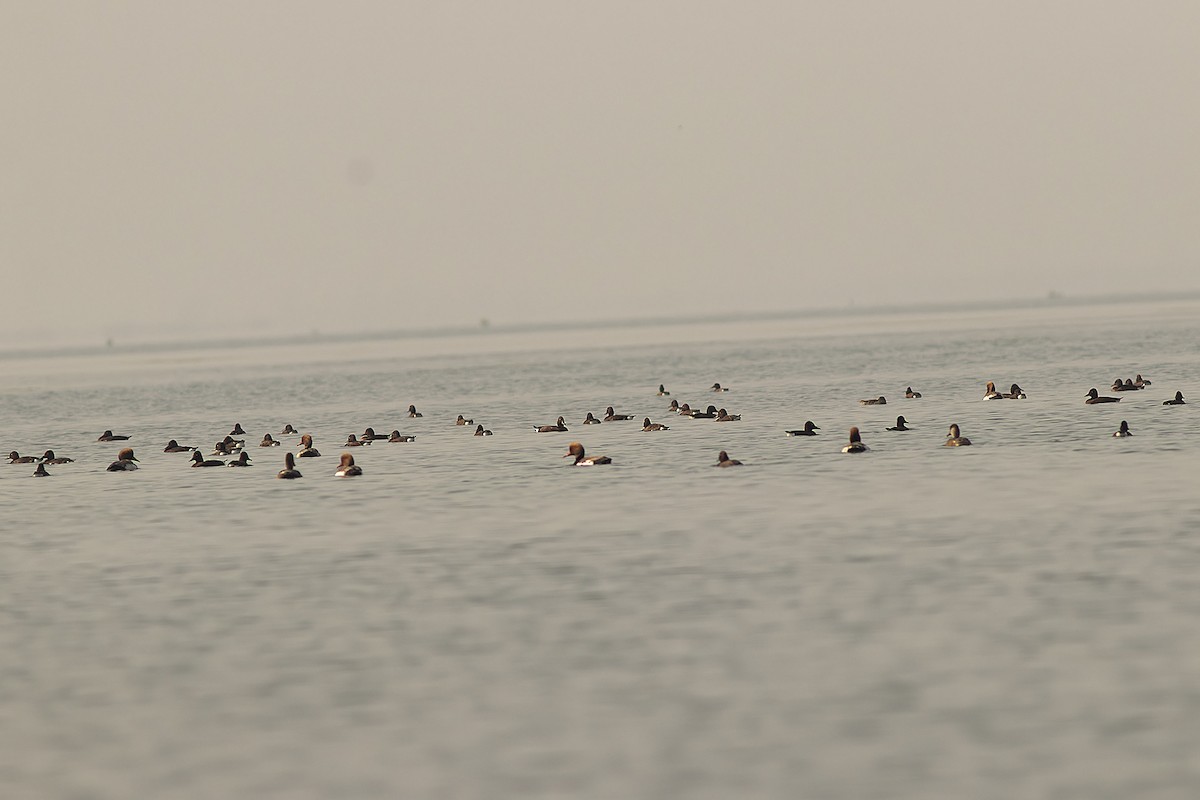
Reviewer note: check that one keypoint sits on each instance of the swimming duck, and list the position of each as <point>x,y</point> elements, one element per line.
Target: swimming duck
<point>674,407</point>
<point>16,458</point>
<point>125,461</point>
<point>878,401</point>
<point>369,435</point>
<point>716,387</point>
<point>708,413</point>
<point>561,425</point>
<point>856,444</point>
<point>591,419</point>
<point>109,436</point>
<point>413,413</point>
<point>397,436</point>
<point>990,392</point>
<point>612,416</point>
<point>955,438</point>
<point>199,461</point>
<point>175,447</point>
<point>1015,393</point>
<point>1178,401</point>
<point>289,470</point>
<point>1140,381</point>
<point>901,424</point>
<point>348,469</point>
<point>220,449</point>
<point>40,472</point>
<point>353,441</point>
<point>237,430</point>
<point>50,458</point>
<point>268,441</point>
<point>1124,431</point>
<point>725,416</point>
<point>463,421</point>
<point>809,430</point>
<point>647,425</point>
<point>232,444</point>
<point>288,430</point>
<point>242,461</point>
<point>723,460</point>
<point>307,449</point>
<point>662,391</point>
<point>910,394</point>
<point>1094,397</point>
<point>576,449</point>
<point>479,431</point>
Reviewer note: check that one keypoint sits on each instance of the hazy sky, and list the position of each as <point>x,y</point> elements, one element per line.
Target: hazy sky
<point>219,168</point>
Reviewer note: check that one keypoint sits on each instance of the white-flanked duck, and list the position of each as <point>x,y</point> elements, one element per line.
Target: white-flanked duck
<point>354,441</point>
<point>990,393</point>
<point>612,416</point>
<point>955,438</point>
<point>1178,401</point>
<point>50,458</point>
<point>809,429</point>
<point>1123,431</point>
<point>716,387</point>
<point>463,421</point>
<point>268,441</point>
<point>413,413</point>
<point>289,430</point>
<point>16,458</point>
<point>1140,381</point>
<point>479,431</point>
<point>348,469</point>
<point>1093,397</point>
<point>559,426</point>
<point>647,425</point>
<point>911,395</point>
<point>590,419</point>
<point>662,391</point>
<point>856,443</point>
<point>397,436</point>
<point>175,447</point>
<point>237,430</point>
<point>581,459</point>
<point>40,472</point>
<point>1014,393</point>
<point>725,416</point>
<point>126,461</point>
<point>289,470</point>
<point>200,461</point>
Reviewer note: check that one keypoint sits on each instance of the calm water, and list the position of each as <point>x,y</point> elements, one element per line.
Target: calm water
<point>475,619</point>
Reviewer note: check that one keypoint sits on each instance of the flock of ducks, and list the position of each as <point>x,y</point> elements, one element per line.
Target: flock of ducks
<point>231,446</point>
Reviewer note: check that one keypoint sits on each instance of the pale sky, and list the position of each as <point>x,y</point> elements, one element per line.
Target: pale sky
<point>197,170</point>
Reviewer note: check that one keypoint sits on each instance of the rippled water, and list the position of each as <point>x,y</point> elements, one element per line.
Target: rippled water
<point>475,619</point>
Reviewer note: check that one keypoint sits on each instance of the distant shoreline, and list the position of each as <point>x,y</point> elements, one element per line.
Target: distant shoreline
<point>143,345</point>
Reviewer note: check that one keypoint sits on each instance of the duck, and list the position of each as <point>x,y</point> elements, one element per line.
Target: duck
<point>901,424</point>
<point>911,395</point>
<point>354,441</point>
<point>990,393</point>
<point>561,425</point>
<point>289,430</point>
<point>40,472</point>
<point>463,421</point>
<point>684,410</point>
<point>413,413</point>
<point>200,461</point>
<point>809,429</point>
<point>369,435</point>
<point>674,407</point>
<point>1014,393</point>
<point>856,444</point>
<point>723,460</point>
<point>397,436</point>
<point>267,441</point>
<point>126,461</point>
<point>590,419</point>
<point>716,387</point>
<point>50,458</point>
<point>725,416</point>
<point>347,468</point>
<point>307,451</point>
<point>16,458</point>
<point>242,460</point>
<point>955,438</point>
<point>1140,381</point>
<point>1124,431</point>
<point>662,391</point>
<point>647,425</point>
<point>223,449</point>
<point>289,470</point>
<point>1178,401</point>
<point>175,447</point>
<point>479,431</point>
<point>1094,397</point>
<point>233,445</point>
<point>109,436</point>
<point>878,401</point>
<point>708,413</point>
<point>581,460</point>
<point>237,430</point>
<point>612,416</point>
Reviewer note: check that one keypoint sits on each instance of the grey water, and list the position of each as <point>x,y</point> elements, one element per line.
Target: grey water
<point>475,618</point>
